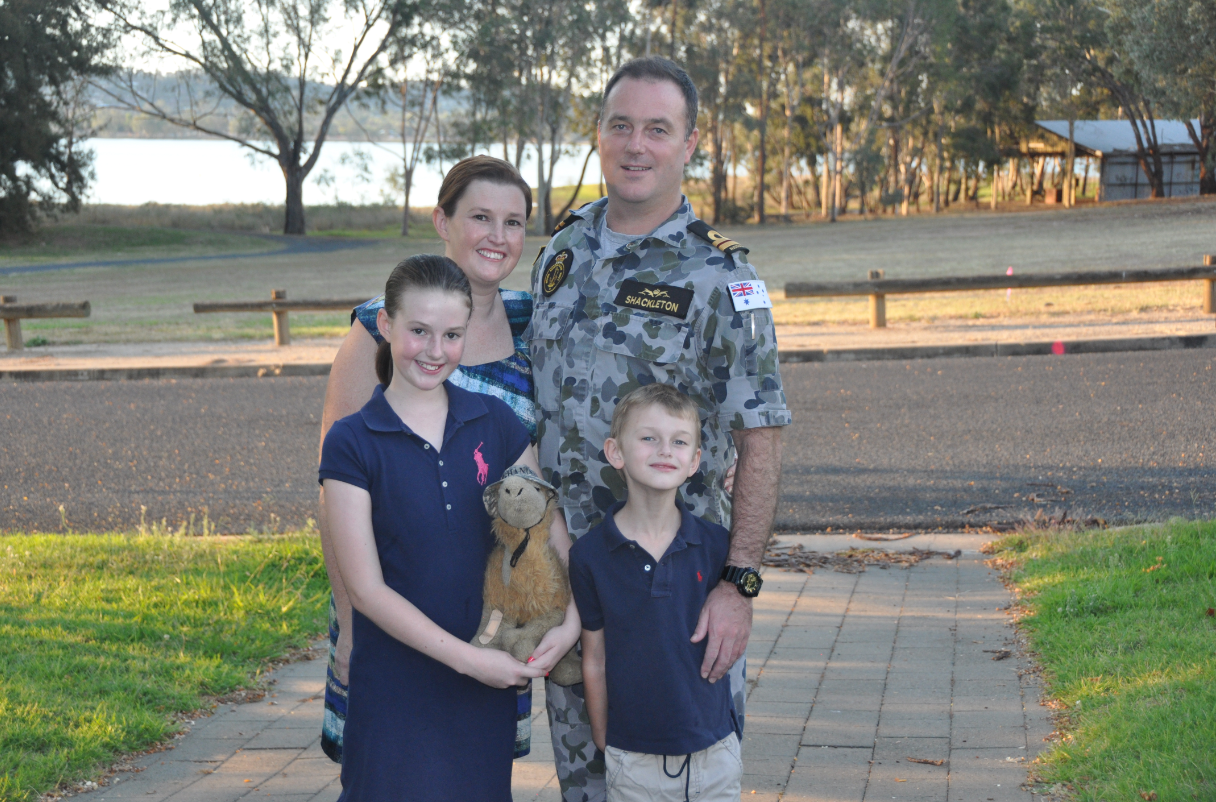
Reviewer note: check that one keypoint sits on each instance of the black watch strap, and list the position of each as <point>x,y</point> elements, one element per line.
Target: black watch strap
<point>746,580</point>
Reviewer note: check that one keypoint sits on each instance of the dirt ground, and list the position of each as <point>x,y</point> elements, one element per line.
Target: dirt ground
<point>152,302</point>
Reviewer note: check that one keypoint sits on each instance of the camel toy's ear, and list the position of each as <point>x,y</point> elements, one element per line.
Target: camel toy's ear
<point>489,497</point>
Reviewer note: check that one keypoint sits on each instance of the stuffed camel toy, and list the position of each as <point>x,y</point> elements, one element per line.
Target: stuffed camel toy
<point>526,589</point>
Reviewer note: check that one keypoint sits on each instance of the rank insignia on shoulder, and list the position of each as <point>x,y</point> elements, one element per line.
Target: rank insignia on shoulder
<point>716,239</point>
<point>556,272</point>
<point>662,298</point>
<point>749,295</point>
<point>567,220</point>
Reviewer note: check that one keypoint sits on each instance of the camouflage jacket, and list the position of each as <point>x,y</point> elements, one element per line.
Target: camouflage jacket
<point>657,309</point>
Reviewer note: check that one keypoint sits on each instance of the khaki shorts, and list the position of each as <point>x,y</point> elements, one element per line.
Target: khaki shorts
<point>712,775</point>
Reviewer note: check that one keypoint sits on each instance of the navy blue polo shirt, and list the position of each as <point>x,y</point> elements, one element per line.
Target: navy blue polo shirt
<point>407,713</point>
<point>657,701</point>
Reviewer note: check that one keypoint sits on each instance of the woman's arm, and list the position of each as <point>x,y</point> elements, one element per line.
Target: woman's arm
<point>349,510</point>
<point>561,639</point>
<point>352,378</point>
<point>595,685</point>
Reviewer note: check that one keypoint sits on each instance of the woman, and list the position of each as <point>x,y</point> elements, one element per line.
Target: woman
<point>481,216</point>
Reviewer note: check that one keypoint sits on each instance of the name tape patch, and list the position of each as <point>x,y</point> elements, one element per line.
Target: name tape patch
<point>661,298</point>
<point>749,295</point>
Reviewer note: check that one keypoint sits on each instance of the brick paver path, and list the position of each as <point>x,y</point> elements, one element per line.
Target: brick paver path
<point>850,676</point>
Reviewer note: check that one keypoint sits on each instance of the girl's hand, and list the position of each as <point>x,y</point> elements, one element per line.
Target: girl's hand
<point>556,642</point>
<point>498,669</point>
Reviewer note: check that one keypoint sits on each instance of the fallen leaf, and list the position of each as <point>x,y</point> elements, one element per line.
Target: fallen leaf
<point>924,760</point>
<point>1148,796</point>
<point>999,654</point>
<point>1212,611</point>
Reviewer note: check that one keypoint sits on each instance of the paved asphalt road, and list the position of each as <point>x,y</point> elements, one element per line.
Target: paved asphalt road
<point>874,446</point>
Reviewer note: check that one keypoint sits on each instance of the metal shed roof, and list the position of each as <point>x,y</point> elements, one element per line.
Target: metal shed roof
<point>1107,137</point>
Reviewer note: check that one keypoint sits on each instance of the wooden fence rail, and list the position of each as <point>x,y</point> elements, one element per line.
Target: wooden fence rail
<point>878,287</point>
<point>13,313</point>
<point>279,306</point>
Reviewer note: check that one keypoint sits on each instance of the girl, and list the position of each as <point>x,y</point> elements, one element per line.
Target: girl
<point>429,716</point>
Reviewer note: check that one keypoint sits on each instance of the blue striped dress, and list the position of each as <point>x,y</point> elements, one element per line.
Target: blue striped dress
<point>509,379</point>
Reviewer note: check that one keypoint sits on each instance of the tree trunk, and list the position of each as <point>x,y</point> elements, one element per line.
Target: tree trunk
<point>1070,167</point>
<point>763,118</point>
<point>937,170</point>
<point>542,191</point>
<point>293,222</point>
<point>1202,141</point>
<point>407,184</point>
<point>837,167</point>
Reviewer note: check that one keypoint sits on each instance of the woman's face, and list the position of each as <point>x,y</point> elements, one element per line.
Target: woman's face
<point>427,336</point>
<point>485,235</point>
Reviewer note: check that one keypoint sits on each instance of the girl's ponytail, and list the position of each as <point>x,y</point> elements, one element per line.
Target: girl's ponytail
<point>426,271</point>
<point>384,363</point>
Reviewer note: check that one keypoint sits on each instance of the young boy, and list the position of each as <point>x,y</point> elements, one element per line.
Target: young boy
<point>640,579</point>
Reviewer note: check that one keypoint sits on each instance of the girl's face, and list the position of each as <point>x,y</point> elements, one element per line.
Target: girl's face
<point>427,336</point>
<point>485,235</point>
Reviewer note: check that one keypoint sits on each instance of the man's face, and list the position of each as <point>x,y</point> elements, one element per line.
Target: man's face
<point>642,145</point>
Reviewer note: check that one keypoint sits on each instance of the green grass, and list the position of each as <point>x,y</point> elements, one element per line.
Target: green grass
<point>70,242</point>
<point>1119,621</point>
<point>107,636</point>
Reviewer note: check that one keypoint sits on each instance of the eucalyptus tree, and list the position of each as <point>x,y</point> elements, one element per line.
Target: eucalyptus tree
<point>537,56</point>
<point>866,53</point>
<point>1170,44</point>
<point>46,47</point>
<point>1093,36</point>
<point>289,65</point>
<point>713,56</point>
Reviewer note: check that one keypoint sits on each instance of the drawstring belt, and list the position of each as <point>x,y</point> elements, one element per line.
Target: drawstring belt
<point>683,768</point>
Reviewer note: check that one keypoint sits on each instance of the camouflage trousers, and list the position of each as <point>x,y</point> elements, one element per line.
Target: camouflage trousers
<point>580,766</point>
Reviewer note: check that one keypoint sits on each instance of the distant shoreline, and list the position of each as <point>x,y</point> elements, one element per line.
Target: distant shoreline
<point>194,136</point>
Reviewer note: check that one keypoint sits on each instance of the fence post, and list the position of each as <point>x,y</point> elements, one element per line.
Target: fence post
<point>282,331</point>
<point>1209,286</point>
<point>12,326</point>
<point>878,303</point>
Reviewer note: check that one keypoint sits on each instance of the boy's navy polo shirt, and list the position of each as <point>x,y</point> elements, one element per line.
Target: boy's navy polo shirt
<point>657,701</point>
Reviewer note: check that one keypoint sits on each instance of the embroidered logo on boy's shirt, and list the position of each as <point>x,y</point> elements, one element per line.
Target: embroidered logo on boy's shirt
<point>699,576</point>
<point>483,470</point>
<point>748,295</point>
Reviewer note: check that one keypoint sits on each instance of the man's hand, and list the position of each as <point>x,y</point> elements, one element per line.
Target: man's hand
<point>342,656</point>
<point>727,619</point>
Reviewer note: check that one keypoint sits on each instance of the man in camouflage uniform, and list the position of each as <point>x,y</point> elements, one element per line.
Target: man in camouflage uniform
<point>633,289</point>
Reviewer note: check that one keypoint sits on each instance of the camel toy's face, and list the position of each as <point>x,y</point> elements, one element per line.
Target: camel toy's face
<point>520,499</point>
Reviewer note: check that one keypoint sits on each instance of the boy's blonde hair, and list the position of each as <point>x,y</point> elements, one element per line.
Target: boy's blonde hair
<point>663,395</point>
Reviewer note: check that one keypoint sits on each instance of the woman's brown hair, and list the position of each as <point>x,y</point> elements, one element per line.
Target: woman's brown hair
<point>426,271</point>
<point>480,168</point>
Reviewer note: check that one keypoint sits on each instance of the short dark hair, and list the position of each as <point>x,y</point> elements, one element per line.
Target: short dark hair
<point>657,68</point>
<point>425,271</point>
<point>480,168</point>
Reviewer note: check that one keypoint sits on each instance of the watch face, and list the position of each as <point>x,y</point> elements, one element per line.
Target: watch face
<point>751,583</point>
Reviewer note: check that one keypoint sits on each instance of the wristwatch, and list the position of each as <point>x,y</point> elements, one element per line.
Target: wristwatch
<point>747,580</point>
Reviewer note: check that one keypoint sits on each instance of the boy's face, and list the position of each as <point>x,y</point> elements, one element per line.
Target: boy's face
<point>656,449</point>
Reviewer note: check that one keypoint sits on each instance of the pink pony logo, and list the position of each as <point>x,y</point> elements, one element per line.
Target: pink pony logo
<point>483,470</point>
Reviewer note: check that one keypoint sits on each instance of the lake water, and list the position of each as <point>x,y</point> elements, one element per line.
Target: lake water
<point>205,171</point>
